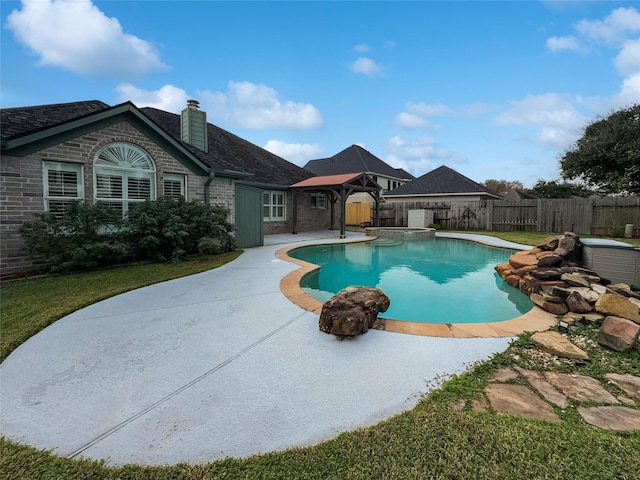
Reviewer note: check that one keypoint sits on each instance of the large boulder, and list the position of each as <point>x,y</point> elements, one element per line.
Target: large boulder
<point>569,248</point>
<point>616,305</point>
<point>619,334</point>
<point>352,311</point>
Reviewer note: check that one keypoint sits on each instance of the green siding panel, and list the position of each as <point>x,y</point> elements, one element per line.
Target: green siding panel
<point>249,219</point>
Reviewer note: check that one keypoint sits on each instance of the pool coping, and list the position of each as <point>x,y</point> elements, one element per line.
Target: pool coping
<point>534,320</point>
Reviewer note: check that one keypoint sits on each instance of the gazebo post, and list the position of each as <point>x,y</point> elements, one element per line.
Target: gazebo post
<point>343,208</point>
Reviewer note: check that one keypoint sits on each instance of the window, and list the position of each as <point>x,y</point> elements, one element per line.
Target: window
<point>174,185</point>
<point>274,206</point>
<point>63,183</point>
<point>123,175</point>
<point>318,200</point>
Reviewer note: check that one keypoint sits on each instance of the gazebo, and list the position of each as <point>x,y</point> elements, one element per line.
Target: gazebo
<point>338,187</point>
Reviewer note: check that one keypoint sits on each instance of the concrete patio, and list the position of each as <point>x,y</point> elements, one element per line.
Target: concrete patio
<point>213,365</point>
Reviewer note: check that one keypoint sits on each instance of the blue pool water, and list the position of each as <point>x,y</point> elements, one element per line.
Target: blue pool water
<point>440,280</point>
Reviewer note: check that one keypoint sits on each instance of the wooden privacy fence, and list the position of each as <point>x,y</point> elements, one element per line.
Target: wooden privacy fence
<point>594,216</point>
<point>358,213</point>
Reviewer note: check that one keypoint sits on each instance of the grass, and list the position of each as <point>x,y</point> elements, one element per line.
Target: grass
<point>431,441</point>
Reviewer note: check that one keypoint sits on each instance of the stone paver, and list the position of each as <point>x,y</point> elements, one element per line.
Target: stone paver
<point>504,375</point>
<point>548,391</point>
<point>611,418</point>
<point>628,383</point>
<point>520,401</point>
<point>580,387</point>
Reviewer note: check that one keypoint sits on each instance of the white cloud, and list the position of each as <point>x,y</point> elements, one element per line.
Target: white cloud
<point>428,110</point>
<point>245,104</point>
<point>168,98</point>
<point>619,30</point>
<point>418,155</point>
<point>298,153</point>
<point>627,62</point>
<point>614,29</point>
<point>251,105</point>
<point>362,48</point>
<point>366,66</point>
<point>416,115</point>
<point>556,119</point>
<point>556,44</point>
<point>411,121</point>
<point>629,93</point>
<point>541,110</point>
<point>76,35</point>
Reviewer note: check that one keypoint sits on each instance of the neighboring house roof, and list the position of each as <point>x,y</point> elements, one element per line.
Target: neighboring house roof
<point>235,153</point>
<point>355,159</point>
<point>513,194</point>
<point>402,173</point>
<point>27,129</point>
<point>441,181</point>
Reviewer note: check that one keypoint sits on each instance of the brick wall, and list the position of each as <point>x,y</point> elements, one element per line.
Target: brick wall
<point>21,188</point>
<point>309,219</point>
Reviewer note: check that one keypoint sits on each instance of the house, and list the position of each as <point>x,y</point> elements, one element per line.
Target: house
<point>54,154</point>
<point>443,197</point>
<point>355,159</point>
<point>441,184</point>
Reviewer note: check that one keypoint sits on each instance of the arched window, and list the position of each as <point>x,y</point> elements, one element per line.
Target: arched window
<point>123,174</point>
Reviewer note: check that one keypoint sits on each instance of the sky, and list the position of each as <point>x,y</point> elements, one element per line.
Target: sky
<point>493,89</point>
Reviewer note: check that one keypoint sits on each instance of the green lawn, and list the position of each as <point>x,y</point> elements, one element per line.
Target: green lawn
<point>431,441</point>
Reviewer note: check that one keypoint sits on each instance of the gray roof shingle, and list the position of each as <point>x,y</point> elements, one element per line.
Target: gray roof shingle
<point>442,180</point>
<point>354,159</point>
<point>15,122</point>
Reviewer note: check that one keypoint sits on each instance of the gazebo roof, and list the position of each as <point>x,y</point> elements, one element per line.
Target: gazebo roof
<point>360,182</point>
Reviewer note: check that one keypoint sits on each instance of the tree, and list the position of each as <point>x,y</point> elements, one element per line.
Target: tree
<point>500,186</point>
<point>607,156</point>
<point>554,189</point>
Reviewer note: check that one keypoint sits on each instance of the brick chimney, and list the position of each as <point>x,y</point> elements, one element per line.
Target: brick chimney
<point>193,125</point>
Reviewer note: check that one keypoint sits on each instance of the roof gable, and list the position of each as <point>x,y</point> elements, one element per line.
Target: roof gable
<point>354,159</point>
<point>58,125</point>
<point>441,181</point>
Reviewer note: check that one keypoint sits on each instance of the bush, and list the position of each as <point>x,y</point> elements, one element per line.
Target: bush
<point>437,226</point>
<point>84,237</point>
<point>170,228</point>
<point>210,246</point>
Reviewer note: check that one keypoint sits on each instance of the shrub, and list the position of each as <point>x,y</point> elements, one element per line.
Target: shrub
<point>170,228</point>
<point>84,236</point>
<point>210,246</point>
<point>437,226</point>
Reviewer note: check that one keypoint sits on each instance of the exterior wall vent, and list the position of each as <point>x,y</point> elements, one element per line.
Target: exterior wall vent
<point>193,125</point>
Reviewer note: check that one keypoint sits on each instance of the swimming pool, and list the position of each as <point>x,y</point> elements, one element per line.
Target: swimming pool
<point>438,280</point>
